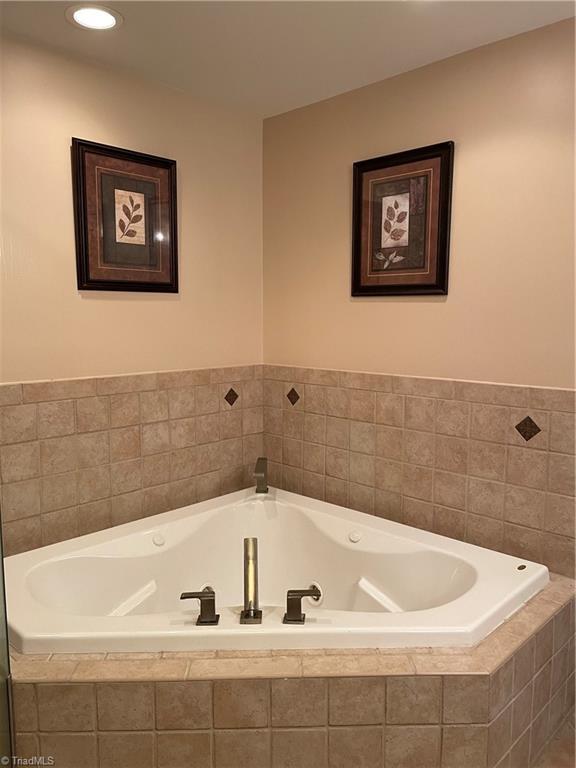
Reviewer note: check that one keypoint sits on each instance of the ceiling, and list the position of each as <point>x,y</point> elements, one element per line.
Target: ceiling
<point>270,57</point>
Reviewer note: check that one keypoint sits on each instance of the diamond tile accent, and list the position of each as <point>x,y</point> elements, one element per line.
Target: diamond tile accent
<point>231,396</point>
<point>528,428</point>
<point>293,396</point>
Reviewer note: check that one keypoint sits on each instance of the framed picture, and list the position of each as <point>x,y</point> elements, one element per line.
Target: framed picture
<point>401,222</point>
<point>125,218</point>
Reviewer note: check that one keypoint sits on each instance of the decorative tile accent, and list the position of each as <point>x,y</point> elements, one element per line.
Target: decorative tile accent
<point>231,396</point>
<point>293,396</point>
<point>528,428</point>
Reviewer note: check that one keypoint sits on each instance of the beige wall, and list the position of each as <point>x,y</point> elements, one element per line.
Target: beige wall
<point>509,313</point>
<point>49,329</point>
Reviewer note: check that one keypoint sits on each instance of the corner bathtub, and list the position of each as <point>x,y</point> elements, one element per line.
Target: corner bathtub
<point>383,584</point>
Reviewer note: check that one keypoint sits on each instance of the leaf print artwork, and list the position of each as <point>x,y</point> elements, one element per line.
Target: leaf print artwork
<point>395,221</point>
<point>387,259</point>
<point>130,222</point>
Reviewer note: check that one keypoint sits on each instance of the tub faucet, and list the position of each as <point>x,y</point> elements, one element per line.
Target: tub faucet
<point>261,475</point>
<point>251,613</point>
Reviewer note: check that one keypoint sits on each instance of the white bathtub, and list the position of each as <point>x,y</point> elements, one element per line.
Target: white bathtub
<point>383,584</point>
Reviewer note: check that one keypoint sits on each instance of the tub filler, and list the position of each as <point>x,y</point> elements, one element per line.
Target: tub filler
<point>382,584</point>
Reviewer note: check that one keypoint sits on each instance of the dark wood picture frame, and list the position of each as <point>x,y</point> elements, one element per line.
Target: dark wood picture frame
<point>107,180</point>
<point>421,179</point>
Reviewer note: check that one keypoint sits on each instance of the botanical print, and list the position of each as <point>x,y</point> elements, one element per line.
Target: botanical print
<point>130,221</point>
<point>395,220</point>
<point>395,223</point>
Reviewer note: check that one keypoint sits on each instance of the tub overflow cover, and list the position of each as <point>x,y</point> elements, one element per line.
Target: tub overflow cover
<point>354,536</point>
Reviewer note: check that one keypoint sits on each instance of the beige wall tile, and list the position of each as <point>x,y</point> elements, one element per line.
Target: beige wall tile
<point>93,449</point>
<point>390,409</point>
<point>94,516</point>
<point>293,424</point>
<point>501,687</point>
<point>524,665</point>
<point>182,493</point>
<point>388,475</point>
<point>299,702</point>
<point>182,403</point>
<point>485,532</point>
<point>70,750</point>
<point>207,399</point>
<point>93,484</point>
<point>246,748</point>
<point>19,462</point>
<point>418,448</point>
<point>208,485</point>
<point>184,379</point>
<point>92,414</point>
<point>303,747</point>
<point>66,707</point>
<point>524,506</point>
<point>412,746</point>
<point>499,736</point>
<point>126,508</point>
<point>241,703</point>
<point>156,500</point>
<point>419,514</point>
<point>10,394</point>
<point>562,432</point>
<point>419,413</point>
<point>559,515</point>
<point>360,747</point>
<point>20,500</point>
<point>337,463</point>
<point>338,402</point>
<point>124,410</point>
<point>361,498</point>
<point>525,467</point>
<point>466,699</point>
<point>292,451</point>
<point>521,712</point>
<point>362,405</point>
<point>64,389</point>
<point>25,707</point>
<point>59,525</point>
<point>337,491</point>
<point>124,443</point>
<point>561,474</point>
<point>56,418</point>
<point>137,382</point>
<point>155,469</point>
<point>153,406</point>
<point>18,423</point>
<point>231,424</point>
<point>59,455</point>
<point>464,745</point>
<point>388,504</point>
<point>417,482</point>
<point>413,700</point>
<point>155,438</point>
<point>544,645</point>
<point>558,553</point>
<point>449,522</point>
<point>451,454</point>
<point>361,468</point>
<point>59,491</point>
<point>489,422</point>
<point>314,428</point>
<point>315,397</point>
<point>125,476</point>
<point>486,497</point>
<point>450,489</point>
<point>356,701</point>
<point>522,542</point>
<point>314,458</point>
<point>126,750</point>
<point>207,428</point>
<point>388,442</point>
<point>22,535</point>
<point>125,706</point>
<point>452,418</point>
<point>184,706</point>
<point>413,385</point>
<point>190,750</point>
<point>362,437</point>
<point>313,485</point>
<point>553,399</point>
<point>487,460</point>
<point>337,432</point>
<point>183,432</point>
<point>377,382</point>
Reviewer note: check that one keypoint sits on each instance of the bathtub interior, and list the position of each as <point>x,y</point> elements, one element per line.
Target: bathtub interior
<point>358,567</point>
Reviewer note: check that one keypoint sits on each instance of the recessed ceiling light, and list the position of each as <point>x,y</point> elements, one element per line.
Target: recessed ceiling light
<point>93,17</point>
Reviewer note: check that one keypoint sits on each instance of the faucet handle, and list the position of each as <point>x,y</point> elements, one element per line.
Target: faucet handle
<point>294,597</point>
<point>207,597</point>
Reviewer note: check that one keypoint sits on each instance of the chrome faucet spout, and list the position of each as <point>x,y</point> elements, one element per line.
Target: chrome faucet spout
<point>251,613</point>
<point>261,474</point>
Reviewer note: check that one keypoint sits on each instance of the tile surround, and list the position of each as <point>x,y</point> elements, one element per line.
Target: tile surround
<point>81,455</point>
<point>443,455</point>
<point>361,713</point>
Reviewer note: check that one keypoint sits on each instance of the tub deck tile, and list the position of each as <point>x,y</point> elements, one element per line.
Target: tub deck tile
<point>236,668</point>
<point>147,669</point>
